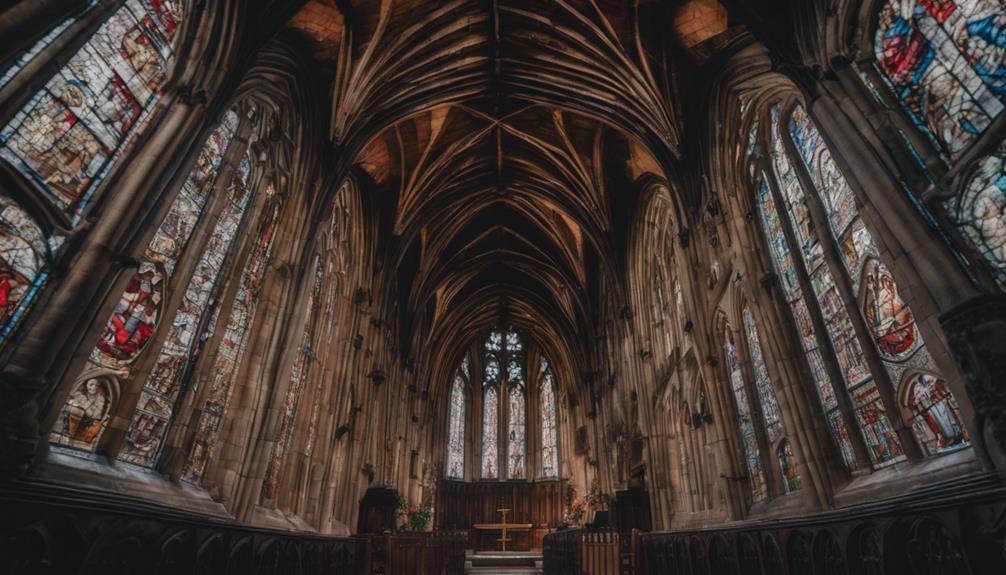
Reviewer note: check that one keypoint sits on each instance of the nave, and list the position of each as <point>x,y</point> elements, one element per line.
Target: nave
<point>415,287</point>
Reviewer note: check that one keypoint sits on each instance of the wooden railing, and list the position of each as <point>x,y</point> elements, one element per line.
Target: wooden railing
<point>581,552</point>
<point>53,528</point>
<point>436,553</point>
<point>956,528</point>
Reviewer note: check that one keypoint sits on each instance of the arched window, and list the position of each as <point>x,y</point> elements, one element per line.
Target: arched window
<point>840,261</point>
<point>298,381</point>
<point>72,131</point>
<point>745,420</point>
<point>549,427</point>
<point>456,423</point>
<point>946,63</point>
<point>138,312</point>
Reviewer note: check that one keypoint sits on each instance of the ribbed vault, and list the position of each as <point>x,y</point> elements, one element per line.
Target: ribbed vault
<point>500,147</point>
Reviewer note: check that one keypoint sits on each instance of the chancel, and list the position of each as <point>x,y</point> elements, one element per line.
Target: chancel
<point>396,287</point>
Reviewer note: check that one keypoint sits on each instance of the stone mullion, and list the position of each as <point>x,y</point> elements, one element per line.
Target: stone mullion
<point>339,470</point>
<point>474,436</point>
<point>821,333</point>
<point>335,467</point>
<point>532,407</point>
<point>177,284</point>
<point>333,404</point>
<point>266,401</point>
<point>850,299</point>
<point>24,23</point>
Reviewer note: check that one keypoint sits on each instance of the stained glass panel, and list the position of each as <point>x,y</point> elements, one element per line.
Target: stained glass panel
<point>69,134</point>
<point>936,420</point>
<point>456,429</point>
<point>763,383</point>
<point>841,434</point>
<point>25,257</point>
<point>549,431</point>
<point>138,311</point>
<point>490,425</point>
<point>980,211</point>
<point>946,63</point>
<point>516,432</point>
<point>748,441</point>
<point>193,323</point>
<point>882,442</point>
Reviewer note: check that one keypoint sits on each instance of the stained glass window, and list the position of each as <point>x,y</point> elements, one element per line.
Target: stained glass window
<point>945,60</point>
<point>193,324</point>
<point>71,132</point>
<point>935,416</point>
<point>298,381</point>
<point>456,425</point>
<point>490,409</point>
<point>763,383</point>
<point>25,258</point>
<point>232,346</point>
<point>787,463</point>
<point>549,431</point>
<point>137,313</point>
<point>842,213</point>
<point>980,211</point>
<point>749,442</point>
<point>888,318</point>
<point>490,424</point>
<point>516,444</point>
<point>785,268</point>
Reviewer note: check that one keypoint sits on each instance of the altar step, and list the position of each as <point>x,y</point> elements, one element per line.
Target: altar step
<point>503,563</point>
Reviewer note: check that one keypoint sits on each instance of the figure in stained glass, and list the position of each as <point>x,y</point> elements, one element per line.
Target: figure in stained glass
<point>67,136</point>
<point>890,321</point>
<point>25,256</point>
<point>133,319</point>
<point>490,423</point>
<point>944,60</point>
<point>516,431</point>
<point>85,414</point>
<point>936,419</point>
<point>787,463</point>
<point>980,211</point>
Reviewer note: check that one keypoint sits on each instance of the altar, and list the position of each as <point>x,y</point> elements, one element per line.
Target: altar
<point>503,527</point>
<point>535,509</point>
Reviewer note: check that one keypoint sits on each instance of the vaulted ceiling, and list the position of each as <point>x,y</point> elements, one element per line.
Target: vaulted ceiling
<point>501,142</point>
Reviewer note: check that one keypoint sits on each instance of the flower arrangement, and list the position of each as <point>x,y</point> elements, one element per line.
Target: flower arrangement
<point>596,498</point>
<point>575,508</point>
<point>415,519</point>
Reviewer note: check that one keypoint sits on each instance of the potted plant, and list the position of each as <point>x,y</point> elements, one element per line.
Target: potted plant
<point>597,499</point>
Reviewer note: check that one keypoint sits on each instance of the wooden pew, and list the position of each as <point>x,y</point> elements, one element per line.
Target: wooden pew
<point>600,553</point>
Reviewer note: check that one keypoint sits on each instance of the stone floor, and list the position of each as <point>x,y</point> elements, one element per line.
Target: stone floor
<point>503,563</point>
